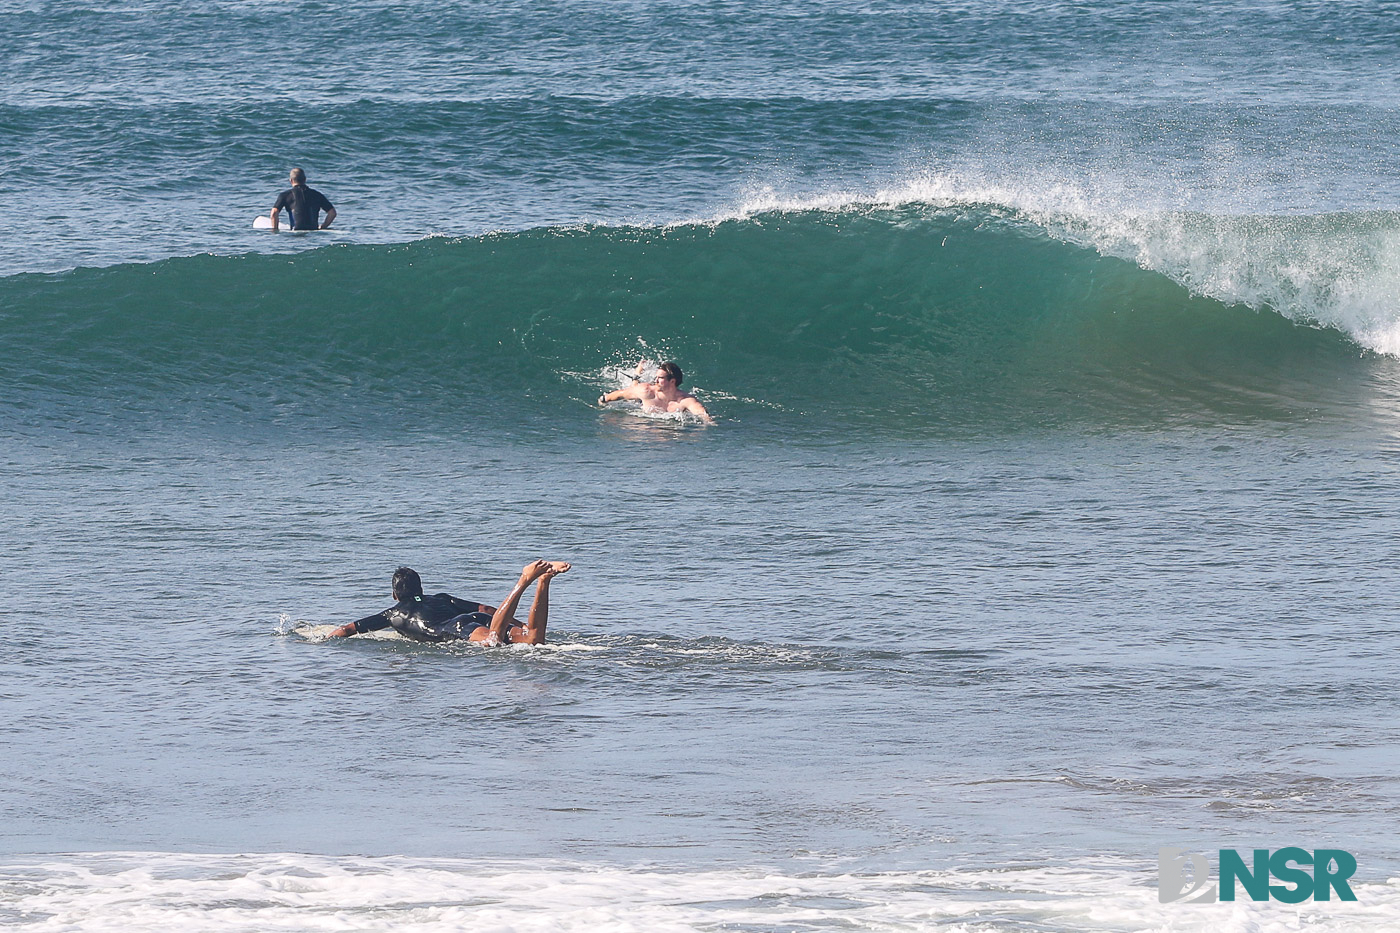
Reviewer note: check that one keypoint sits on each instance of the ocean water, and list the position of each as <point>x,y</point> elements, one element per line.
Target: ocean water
<point>1049,518</point>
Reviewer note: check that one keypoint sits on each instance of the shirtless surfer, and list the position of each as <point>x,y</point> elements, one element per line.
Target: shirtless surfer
<point>662,393</point>
<point>444,617</point>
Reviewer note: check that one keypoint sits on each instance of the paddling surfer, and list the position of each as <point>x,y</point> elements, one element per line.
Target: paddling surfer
<point>662,393</point>
<point>444,617</point>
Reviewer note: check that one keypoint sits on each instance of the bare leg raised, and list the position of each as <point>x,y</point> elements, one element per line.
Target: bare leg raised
<point>501,620</point>
<point>539,609</point>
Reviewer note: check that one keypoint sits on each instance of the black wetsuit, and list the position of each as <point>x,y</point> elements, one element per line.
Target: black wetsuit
<point>305,205</point>
<point>428,618</point>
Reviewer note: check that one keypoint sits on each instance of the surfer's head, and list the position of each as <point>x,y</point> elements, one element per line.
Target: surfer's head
<point>672,372</point>
<point>406,584</point>
<point>297,176</point>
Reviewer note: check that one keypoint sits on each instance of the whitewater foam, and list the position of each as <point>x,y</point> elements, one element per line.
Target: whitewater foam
<point>283,893</point>
<point>1336,270</point>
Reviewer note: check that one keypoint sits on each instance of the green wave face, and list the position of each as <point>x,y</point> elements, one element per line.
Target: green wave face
<point>908,319</point>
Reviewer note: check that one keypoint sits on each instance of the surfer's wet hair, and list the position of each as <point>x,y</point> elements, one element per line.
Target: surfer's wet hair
<point>673,372</point>
<point>407,584</point>
<point>298,177</point>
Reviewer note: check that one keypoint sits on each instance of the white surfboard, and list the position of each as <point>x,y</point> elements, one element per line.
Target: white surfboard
<point>264,222</point>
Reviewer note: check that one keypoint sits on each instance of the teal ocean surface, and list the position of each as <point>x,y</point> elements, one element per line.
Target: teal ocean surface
<point>1049,519</point>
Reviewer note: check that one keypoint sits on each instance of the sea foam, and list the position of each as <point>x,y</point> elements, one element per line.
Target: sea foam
<point>283,893</point>
<point>1339,270</point>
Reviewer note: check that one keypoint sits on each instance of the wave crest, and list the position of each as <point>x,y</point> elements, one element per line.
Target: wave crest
<point>902,312</point>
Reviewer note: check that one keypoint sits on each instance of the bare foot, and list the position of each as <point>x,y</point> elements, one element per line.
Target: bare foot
<point>556,567</point>
<point>535,569</point>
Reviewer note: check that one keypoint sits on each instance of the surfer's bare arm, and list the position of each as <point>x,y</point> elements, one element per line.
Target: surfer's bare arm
<point>692,405</point>
<point>330,215</point>
<point>345,631</point>
<point>276,211</point>
<point>634,391</point>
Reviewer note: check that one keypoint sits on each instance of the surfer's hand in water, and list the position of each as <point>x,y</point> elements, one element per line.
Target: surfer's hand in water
<point>602,400</point>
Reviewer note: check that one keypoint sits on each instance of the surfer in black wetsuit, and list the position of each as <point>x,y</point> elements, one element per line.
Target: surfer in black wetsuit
<point>303,204</point>
<point>444,617</point>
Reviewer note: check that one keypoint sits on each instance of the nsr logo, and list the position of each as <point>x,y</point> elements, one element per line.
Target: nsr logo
<point>1185,876</point>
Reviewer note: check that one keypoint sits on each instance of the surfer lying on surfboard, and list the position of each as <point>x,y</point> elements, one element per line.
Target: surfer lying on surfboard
<point>662,393</point>
<point>444,617</point>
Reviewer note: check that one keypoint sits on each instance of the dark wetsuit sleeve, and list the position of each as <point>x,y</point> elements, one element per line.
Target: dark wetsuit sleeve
<point>284,201</point>
<point>325,202</point>
<point>460,606</point>
<point>380,620</point>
